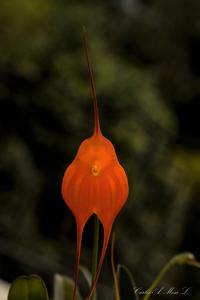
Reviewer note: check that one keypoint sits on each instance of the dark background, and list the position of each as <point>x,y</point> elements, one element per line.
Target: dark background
<point>146,63</point>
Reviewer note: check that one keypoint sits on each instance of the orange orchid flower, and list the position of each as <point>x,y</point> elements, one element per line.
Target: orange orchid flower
<point>94,183</point>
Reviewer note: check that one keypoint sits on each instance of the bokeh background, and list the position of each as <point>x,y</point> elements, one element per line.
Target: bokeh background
<point>146,63</point>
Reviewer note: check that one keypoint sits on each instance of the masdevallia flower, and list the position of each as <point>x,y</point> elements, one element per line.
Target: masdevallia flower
<point>94,183</point>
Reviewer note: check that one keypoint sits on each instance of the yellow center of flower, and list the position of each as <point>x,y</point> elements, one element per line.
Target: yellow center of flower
<point>95,170</point>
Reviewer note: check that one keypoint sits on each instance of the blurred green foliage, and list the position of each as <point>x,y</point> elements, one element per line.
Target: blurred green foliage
<point>28,288</point>
<point>146,66</point>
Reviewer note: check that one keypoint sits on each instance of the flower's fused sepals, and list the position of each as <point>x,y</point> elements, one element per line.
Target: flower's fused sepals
<point>94,183</point>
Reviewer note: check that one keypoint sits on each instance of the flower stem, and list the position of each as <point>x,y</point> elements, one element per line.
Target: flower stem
<point>95,250</point>
<point>179,259</point>
<point>155,283</point>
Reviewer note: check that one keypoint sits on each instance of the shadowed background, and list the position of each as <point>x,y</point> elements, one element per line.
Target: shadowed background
<point>145,56</point>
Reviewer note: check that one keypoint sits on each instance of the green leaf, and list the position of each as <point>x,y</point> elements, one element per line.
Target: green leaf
<point>86,274</point>
<point>28,288</point>
<point>126,283</point>
<point>88,278</point>
<point>64,287</point>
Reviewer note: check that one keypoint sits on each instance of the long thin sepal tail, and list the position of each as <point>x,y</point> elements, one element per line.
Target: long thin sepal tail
<point>97,129</point>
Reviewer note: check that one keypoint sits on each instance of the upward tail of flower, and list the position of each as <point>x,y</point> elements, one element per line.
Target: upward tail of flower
<point>107,230</point>
<point>97,129</point>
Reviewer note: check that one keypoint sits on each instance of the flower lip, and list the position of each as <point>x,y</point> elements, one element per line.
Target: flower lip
<point>95,169</point>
